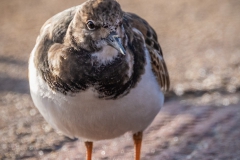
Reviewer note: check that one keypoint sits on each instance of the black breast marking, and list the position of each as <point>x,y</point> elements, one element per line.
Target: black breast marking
<point>115,87</point>
<point>78,71</point>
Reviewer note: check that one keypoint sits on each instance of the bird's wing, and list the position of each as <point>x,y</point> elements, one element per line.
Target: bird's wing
<point>158,64</point>
<point>52,32</point>
<point>48,49</point>
<point>56,27</point>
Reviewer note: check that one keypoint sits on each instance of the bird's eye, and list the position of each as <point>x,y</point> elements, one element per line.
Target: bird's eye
<point>91,26</point>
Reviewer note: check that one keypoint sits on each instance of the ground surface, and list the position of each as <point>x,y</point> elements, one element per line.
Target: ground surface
<point>200,120</point>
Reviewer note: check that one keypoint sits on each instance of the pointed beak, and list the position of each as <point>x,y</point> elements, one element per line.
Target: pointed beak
<point>114,40</point>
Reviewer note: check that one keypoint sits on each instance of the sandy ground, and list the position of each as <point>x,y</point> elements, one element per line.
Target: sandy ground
<point>200,119</point>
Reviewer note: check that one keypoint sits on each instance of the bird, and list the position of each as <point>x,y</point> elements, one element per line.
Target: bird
<point>97,72</point>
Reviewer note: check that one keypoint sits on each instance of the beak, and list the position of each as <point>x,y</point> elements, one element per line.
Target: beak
<point>114,40</point>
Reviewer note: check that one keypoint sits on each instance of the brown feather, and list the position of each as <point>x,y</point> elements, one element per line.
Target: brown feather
<point>158,64</point>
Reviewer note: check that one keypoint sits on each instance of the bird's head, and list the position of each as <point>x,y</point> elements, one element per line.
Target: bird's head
<point>96,24</point>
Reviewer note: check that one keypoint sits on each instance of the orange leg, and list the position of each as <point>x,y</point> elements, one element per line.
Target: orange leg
<point>89,146</point>
<point>137,137</point>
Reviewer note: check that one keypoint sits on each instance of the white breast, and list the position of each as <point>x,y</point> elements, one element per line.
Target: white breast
<point>86,116</point>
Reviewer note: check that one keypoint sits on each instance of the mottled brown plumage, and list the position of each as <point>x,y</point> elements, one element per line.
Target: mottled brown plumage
<point>151,40</point>
<point>67,34</point>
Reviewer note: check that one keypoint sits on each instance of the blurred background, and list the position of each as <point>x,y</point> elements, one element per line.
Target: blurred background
<point>200,119</point>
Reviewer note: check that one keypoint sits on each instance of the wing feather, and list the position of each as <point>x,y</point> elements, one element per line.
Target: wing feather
<point>158,64</point>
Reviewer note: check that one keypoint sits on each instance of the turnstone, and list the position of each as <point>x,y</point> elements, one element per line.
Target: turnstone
<point>97,72</point>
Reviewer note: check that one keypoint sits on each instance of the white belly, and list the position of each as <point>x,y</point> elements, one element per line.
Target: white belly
<point>86,116</point>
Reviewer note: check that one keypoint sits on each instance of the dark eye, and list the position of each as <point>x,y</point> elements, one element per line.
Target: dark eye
<point>91,26</point>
